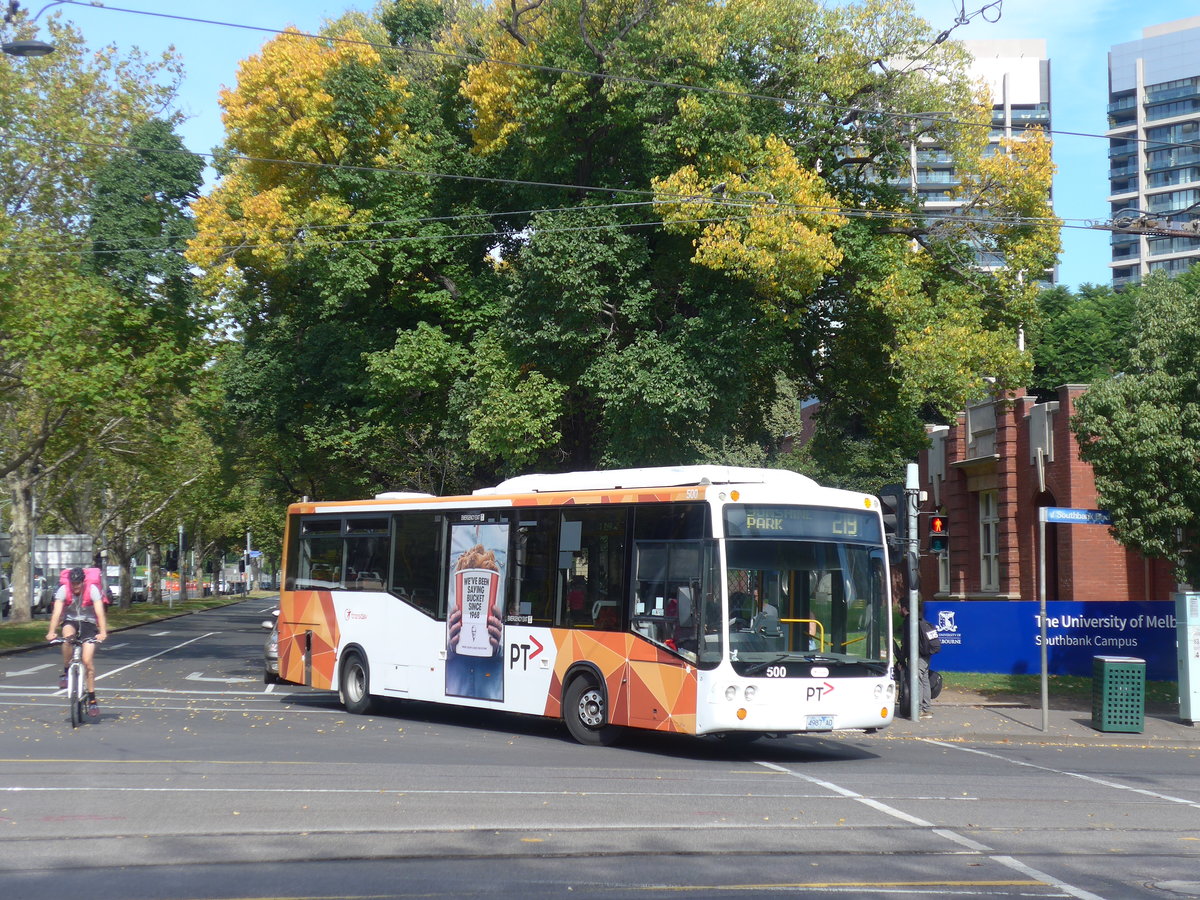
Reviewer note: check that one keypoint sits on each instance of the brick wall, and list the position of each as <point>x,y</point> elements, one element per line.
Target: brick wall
<point>1084,562</point>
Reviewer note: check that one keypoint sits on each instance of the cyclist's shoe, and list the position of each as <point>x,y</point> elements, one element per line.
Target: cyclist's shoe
<point>93,709</point>
<point>62,679</point>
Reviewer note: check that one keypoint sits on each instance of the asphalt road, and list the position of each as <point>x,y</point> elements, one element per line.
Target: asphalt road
<point>199,781</point>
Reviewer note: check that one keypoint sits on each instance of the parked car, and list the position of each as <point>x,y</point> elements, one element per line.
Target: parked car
<point>5,596</point>
<point>271,650</point>
<point>43,594</point>
<point>139,589</point>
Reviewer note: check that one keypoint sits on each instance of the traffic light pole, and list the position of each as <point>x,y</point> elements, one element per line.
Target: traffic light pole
<point>912,492</point>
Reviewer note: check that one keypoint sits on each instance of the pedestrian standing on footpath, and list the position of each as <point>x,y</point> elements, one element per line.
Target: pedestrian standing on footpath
<point>928,643</point>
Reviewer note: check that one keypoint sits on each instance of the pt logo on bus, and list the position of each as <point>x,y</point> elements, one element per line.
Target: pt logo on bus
<point>818,692</point>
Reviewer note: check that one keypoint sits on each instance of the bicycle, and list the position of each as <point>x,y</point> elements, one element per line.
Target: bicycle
<point>76,674</point>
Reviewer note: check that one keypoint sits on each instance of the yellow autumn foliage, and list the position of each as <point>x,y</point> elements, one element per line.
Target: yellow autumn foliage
<point>281,110</point>
<point>763,218</point>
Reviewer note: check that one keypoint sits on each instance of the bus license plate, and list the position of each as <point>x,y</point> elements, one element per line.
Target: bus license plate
<point>820,723</point>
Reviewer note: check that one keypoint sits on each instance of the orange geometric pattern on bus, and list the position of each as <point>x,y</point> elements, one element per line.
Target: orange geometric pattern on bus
<point>656,495</point>
<point>647,687</point>
<point>299,613</point>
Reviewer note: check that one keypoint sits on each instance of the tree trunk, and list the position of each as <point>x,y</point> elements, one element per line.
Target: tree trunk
<point>20,488</point>
<point>125,578</point>
<point>154,587</point>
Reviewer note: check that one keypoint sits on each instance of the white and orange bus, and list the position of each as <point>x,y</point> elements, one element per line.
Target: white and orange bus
<point>702,599</point>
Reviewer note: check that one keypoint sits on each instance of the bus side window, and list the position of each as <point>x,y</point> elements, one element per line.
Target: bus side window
<point>591,567</point>
<point>536,546</point>
<point>320,561</point>
<point>668,560</point>
<point>417,559</point>
<point>366,553</point>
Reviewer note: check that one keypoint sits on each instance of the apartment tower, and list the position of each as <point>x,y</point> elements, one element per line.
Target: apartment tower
<point>1154,157</point>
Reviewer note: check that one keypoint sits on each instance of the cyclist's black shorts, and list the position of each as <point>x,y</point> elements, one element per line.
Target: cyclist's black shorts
<point>83,627</point>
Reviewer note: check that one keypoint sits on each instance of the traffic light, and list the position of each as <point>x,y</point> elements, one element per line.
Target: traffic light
<point>895,519</point>
<point>939,535</point>
<point>895,515</point>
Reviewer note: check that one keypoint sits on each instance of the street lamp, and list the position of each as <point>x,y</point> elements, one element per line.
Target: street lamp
<point>26,48</point>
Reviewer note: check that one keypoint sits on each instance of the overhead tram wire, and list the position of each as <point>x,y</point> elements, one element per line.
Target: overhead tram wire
<point>896,215</point>
<point>626,79</point>
<point>416,220</point>
<point>658,196</point>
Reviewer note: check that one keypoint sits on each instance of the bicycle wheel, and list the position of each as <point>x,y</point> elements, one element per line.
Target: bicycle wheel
<point>75,696</point>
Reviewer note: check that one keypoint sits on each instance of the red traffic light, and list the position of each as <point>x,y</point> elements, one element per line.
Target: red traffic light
<point>939,539</point>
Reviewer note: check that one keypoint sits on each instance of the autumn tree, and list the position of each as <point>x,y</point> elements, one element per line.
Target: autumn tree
<point>585,233</point>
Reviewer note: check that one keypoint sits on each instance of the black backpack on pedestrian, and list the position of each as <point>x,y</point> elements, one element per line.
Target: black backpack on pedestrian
<point>928,641</point>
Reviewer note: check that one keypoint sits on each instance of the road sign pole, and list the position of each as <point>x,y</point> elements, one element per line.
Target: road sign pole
<point>912,486</point>
<point>1042,617</point>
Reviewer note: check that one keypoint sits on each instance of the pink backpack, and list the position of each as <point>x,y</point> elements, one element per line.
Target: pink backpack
<point>91,576</point>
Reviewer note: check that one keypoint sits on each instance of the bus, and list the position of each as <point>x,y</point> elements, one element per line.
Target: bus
<point>704,600</point>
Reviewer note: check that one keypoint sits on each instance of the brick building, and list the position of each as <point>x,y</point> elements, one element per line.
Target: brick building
<point>989,473</point>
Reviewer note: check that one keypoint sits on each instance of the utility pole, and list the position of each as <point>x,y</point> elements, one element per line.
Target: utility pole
<point>912,492</point>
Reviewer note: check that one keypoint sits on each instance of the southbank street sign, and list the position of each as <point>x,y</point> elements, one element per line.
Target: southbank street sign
<point>1060,515</point>
<point>1065,516</point>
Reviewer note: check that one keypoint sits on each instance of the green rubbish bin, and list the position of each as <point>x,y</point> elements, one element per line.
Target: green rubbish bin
<point>1118,693</point>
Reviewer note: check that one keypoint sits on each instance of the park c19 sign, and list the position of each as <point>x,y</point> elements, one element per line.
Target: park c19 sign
<point>1004,636</point>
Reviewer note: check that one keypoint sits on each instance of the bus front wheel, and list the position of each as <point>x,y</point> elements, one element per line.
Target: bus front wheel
<point>585,712</point>
<point>354,685</point>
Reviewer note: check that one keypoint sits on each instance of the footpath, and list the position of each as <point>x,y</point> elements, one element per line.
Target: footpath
<point>960,715</point>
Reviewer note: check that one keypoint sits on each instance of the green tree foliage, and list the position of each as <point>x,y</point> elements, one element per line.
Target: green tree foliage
<point>636,247</point>
<point>60,113</point>
<point>80,358</point>
<point>139,223</point>
<point>1081,337</point>
<point>1140,430</point>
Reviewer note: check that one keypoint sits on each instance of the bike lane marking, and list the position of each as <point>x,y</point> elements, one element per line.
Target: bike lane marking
<point>953,836</point>
<point>1103,782</point>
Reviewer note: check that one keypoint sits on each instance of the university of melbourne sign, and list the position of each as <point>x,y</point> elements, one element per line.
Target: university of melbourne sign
<point>1005,636</point>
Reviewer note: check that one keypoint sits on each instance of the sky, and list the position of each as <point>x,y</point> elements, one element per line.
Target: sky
<point>1078,35</point>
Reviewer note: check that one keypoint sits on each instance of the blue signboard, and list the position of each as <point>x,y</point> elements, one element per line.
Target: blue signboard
<point>1063,515</point>
<point>1003,636</point>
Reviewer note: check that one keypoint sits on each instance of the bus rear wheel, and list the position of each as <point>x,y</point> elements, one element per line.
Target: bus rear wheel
<point>354,684</point>
<point>585,712</point>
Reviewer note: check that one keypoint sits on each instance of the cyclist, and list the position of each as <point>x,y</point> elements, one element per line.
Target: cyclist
<point>80,608</point>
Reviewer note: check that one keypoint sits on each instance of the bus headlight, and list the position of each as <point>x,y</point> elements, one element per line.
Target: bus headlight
<point>751,690</point>
<point>891,689</point>
<point>731,692</point>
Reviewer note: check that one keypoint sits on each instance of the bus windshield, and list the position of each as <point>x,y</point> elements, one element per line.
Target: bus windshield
<point>817,601</point>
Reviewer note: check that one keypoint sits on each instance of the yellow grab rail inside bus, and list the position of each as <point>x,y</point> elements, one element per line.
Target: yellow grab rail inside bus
<point>820,629</point>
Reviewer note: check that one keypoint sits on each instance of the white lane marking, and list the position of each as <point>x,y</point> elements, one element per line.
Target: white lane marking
<point>151,693</point>
<point>110,705</point>
<point>158,633</point>
<point>232,679</point>
<point>1103,782</point>
<point>156,655</point>
<point>29,671</point>
<point>463,792</point>
<point>949,835</point>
